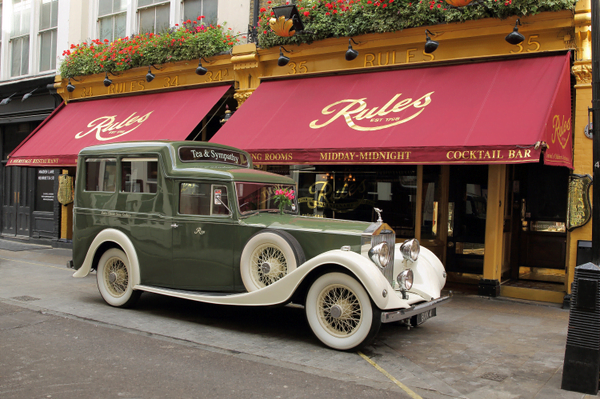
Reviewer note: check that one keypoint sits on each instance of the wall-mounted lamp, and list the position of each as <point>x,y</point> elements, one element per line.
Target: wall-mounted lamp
<point>286,18</point>
<point>515,37</point>
<point>201,70</point>
<point>430,45</point>
<point>107,82</point>
<point>351,53</point>
<point>27,95</point>
<point>226,116</point>
<point>7,99</point>
<point>283,60</point>
<point>70,86</point>
<point>149,76</point>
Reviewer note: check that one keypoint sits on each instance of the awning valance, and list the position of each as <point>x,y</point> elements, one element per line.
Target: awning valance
<point>160,116</point>
<point>479,113</point>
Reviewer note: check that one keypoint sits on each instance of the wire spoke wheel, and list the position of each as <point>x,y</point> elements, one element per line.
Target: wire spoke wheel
<point>116,276</point>
<point>269,256</point>
<point>268,264</point>
<point>340,311</point>
<point>114,279</point>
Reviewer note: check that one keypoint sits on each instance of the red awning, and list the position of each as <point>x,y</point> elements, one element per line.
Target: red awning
<point>480,113</point>
<point>162,116</point>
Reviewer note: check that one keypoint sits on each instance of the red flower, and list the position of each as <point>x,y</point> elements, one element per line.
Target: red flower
<point>306,13</point>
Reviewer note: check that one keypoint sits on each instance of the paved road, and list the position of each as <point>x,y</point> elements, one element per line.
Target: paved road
<point>474,348</point>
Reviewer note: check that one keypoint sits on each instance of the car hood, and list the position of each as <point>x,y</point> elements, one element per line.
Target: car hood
<point>305,223</point>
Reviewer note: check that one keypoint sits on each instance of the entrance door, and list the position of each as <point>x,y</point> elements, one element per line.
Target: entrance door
<point>16,204</point>
<point>466,219</point>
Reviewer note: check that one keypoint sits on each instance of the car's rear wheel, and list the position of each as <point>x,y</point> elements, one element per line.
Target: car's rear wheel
<point>268,256</point>
<point>114,279</point>
<point>340,312</point>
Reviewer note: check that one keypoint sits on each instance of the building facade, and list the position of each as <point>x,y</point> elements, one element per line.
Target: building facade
<point>478,149</point>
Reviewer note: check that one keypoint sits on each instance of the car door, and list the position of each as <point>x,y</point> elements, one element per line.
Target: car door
<point>204,234</point>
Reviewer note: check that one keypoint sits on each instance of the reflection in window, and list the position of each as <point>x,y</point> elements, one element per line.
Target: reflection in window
<point>432,194</point>
<point>200,199</point>
<point>112,18</point>
<point>139,175</point>
<point>19,38</point>
<point>153,16</point>
<point>352,192</point>
<point>192,9</point>
<point>101,175</point>
<point>47,32</point>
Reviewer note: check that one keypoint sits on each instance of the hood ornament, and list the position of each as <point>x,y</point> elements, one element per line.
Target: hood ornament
<point>379,219</point>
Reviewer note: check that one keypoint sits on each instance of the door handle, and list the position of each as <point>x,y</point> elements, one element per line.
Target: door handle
<point>174,225</point>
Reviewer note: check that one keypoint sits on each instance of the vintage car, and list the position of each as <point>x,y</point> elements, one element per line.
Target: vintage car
<point>195,220</point>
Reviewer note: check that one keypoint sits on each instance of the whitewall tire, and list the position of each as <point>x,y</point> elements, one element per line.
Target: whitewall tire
<point>114,279</point>
<point>268,256</point>
<point>340,312</point>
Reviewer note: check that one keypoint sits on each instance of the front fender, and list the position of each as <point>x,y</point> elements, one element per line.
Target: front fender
<point>428,270</point>
<point>119,238</point>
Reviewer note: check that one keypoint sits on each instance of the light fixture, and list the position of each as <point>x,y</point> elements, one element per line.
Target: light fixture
<point>283,60</point>
<point>430,45</point>
<point>226,116</point>
<point>201,70</point>
<point>351,53</point>
<point>7,99</point>
<point>149,76</point>
<point>107,81</point>
<point>515,37</point>
<point>27,95</point>
<point>289,13</point>
<point>70,86</point>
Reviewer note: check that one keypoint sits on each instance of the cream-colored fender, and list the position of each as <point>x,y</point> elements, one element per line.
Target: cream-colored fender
<point>282,290</point>
<point>119,238</point>
<point>428,270</point>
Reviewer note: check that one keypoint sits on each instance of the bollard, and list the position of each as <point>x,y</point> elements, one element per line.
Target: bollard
<point>582,355</point>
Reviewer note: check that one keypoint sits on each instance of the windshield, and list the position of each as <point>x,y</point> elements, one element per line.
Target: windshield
<point>254,197</point>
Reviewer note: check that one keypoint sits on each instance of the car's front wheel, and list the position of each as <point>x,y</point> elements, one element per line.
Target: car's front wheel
<point>114,279</point>
<point>340,312</point>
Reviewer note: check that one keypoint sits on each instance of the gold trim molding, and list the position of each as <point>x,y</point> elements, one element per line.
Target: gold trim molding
<point>582,72</point>
<point>242,95</point>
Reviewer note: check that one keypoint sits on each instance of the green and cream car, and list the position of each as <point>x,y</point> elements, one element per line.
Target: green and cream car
<point>194,220</point>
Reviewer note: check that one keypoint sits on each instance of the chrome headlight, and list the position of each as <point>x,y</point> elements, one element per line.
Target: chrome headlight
<point>405,280</point>
<point>380,254</point>
<point>410,249</point>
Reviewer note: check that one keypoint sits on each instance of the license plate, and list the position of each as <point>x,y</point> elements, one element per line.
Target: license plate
<point>423,317</point>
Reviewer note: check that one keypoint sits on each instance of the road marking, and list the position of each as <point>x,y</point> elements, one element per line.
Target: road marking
<point>36,264</point>
<point>391,377</point>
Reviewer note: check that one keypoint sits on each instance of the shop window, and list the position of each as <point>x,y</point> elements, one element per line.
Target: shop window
<point>192,9</point>
<point>19,38</point>
<point>352,193</point>
<point>139,175</point>
<point>47,32</point>
<point>153,16</point>
<point>200,199</point>
<point>101,175</point>
<point>112,19</point>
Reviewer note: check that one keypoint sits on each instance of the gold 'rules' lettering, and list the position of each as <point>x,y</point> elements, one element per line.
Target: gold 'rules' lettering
<point>356,110</point>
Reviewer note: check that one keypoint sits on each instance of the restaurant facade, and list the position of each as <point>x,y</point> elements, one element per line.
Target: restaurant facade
<point>479,149</point>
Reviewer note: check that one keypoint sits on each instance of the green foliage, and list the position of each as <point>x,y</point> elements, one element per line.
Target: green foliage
<point>339,18</point>
<point>190,41</point>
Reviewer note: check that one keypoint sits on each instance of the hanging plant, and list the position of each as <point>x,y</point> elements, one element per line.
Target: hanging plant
<point>190,41</point>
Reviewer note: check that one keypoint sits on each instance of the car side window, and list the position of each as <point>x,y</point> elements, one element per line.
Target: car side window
<point>201,199</point>
<point>139,175</point>
<point>101,174</point>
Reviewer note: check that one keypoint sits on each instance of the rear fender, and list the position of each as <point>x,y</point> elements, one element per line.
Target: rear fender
<point>119,238</point>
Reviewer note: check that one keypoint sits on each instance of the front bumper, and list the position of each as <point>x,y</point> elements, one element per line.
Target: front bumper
<point>403,314</point>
